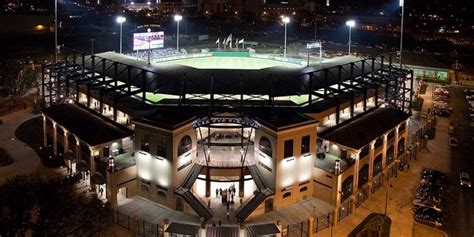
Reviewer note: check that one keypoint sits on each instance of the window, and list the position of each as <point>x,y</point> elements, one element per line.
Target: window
<point>145,143</point>
<point>303,189</point>
<point>391,135</point>
<point>161,149</point>
<point>377,165</point>
<point>364,152</point>
<point>378,142</point>
<point>185,145</point>
<point>288,149</point>
<point>288,194</point>
<point>401,128</point>
<point>305,144</point>
<point>265,146</point>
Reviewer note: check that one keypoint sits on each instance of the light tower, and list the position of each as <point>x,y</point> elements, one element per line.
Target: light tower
<point>350,23</point>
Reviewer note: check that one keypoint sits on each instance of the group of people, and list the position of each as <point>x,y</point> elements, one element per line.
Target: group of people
<point>227,195</point>
<point>158,53</point>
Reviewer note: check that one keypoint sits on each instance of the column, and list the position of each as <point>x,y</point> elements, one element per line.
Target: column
<point>55,139</point>
<point>280,228</point>
<point>92,161</point>
<point>241,183</point>
<point>78,149</point>
<point>166,223</point>
<point>311,226</point>
<point>356,172</point>
<point>242,230</point>
<point>208,182</point>
<point>45,132</point>
<point>65,141</point>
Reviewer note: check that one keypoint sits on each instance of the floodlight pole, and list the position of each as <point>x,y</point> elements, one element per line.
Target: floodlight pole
<point>121,37</point>
<point>177,36</point>
<point>177,18</point>
<point>350,32</point>
<point>402,4</point>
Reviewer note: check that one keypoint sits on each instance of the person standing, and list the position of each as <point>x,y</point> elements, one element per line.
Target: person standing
<point>228,215</point>
<point>217,192</point>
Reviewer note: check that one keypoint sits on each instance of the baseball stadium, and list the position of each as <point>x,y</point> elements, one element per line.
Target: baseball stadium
<point>260,143</point>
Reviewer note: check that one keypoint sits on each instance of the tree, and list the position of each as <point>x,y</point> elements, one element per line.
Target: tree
<point>18,79</point>
<point>30,204</point>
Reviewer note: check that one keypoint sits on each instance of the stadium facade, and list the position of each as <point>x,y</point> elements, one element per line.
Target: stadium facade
<point>175,134</point>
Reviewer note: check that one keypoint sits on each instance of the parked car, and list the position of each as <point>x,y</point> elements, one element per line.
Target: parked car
<point>429,216</point>
<point>427,203</point>
<point>464,179</point>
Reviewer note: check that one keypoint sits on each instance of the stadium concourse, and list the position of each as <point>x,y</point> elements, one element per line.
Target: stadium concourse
<point>230,137</point>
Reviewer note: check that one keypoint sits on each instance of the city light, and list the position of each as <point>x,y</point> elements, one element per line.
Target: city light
<point>286,20</point>
<point>178,17</point>
<point>350,23</point>
<point>121,19</point>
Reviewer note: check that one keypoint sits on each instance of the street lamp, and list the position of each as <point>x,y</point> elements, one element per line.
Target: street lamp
<point>121,20</point>
<point>350,23</point>
<point>386,198</point>
<point>177,18</point>
<point>402,5</point>
<point>285,20</point>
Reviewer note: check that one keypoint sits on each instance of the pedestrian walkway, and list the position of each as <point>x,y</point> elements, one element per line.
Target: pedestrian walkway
<point>153,212</point>
<point>25,159</point>
<point>400,195</point>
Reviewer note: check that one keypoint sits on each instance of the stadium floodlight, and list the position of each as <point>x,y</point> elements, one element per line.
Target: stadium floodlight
<point>350,23</point>
<point>285,20</point>
<point>402,5</point>
<point>177,18</point>
<point>121,20</point>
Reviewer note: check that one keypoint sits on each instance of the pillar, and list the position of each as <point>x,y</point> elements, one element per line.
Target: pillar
<point>202,230</point>
<point>242,230</point>
<point>208,182</point>
<point>241,183</point>
<point>45,132</point>
<point>334,216</point>
<point>280,228</point>
<point>311,226</point>
<point>55,139</point>
<point>78,149</point>
<point>66,141</point>
<point>92,161</point>
<point>166,223</point>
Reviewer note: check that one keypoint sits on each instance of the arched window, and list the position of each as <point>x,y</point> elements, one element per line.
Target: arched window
<point>363,175</point>
<point>377,165</point>
<point>185,145</point>
<point>265,146</point>
<point>347,187</point>
<point>286,194</point>
<point>401,146</point>
<point>390,155</point>
<point>161,194</point>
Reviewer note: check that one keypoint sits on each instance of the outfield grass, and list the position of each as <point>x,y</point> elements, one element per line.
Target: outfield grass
<point>246,63</point>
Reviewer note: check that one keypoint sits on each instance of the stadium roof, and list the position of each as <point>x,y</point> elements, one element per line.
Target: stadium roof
<point>361,131</point>
<point>279,81</point>
<point>75,118</point>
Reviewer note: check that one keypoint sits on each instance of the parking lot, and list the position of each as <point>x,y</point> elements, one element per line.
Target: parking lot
<point>459,207</point>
